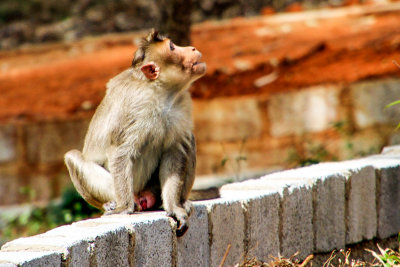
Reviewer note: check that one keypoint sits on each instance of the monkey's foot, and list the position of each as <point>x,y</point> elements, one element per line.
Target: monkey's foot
<point>181,222</point>
<point>119,211</point>
<point>109,206</point>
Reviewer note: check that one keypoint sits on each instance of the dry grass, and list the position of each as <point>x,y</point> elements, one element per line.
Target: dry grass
<point>386,258</point>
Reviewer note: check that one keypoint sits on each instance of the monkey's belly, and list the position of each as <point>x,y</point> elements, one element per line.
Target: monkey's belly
<point>144,166</point>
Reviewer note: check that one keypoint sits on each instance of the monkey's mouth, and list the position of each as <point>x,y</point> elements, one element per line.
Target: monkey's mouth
<point>199,67</point>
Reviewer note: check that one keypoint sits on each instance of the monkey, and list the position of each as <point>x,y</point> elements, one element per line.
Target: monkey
<point>139,147</point>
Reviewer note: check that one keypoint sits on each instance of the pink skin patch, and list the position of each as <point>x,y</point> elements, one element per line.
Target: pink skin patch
<point>145,200</point>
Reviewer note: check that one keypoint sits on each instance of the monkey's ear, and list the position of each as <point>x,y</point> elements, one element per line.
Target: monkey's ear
<point>150,70</point>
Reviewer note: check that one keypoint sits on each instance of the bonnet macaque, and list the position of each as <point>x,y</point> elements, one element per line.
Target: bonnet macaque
<point>139,149</point>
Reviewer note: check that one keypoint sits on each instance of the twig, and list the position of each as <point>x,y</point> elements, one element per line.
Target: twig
<point>225,255</point>
<point>307,260</point>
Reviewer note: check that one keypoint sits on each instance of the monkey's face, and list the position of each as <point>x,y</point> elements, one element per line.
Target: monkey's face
<point>175,64</point>
<point>188,57</point>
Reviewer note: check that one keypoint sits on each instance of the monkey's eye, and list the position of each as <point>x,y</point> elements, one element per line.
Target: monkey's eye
<point>171,46</point>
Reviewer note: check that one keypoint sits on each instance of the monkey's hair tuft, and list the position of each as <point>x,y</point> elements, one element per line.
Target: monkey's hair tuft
<point>153,37</point>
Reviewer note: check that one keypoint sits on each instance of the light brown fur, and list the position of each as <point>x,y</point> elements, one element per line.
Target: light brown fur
<point>143,125</point>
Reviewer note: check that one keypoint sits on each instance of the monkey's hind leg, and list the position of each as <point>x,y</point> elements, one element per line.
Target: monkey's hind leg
<point>90,180</point>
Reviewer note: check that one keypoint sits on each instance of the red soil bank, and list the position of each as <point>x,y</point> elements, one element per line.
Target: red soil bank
<point>287,51</point>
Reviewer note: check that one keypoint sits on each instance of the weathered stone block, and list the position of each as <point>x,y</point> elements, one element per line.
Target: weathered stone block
<point>30,259</point>
<point>193,248</point>
<point>74,250</point>
<point>231,119</point>
<point>48,142</point>
<point>361,205</point>
<point>296,222</point>
<point>369,100</point>
<point>262,214</point>
<point>155,240</point>
<point>261,203</point>
<point>311,110</point>
<point>109,243</point>
<point>227,227</point>
<point>329,213</point>
<point>80,244</point>
<point>388,191</point>
<point>389,201</point>
<point>328,186</point>
<point>8,143</point>
<point>9,188</point>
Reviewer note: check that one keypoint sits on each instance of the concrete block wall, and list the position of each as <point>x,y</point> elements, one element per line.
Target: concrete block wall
<point>311,210</point>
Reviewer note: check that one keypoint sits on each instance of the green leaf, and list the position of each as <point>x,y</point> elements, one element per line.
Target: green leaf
<point>223,162</point>
<point>397,127</point>
<point>392,104</point>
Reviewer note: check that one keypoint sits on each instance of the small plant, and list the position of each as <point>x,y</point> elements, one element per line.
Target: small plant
<point>388,257</point>
<point>36,220</point>
<point>391,105</point>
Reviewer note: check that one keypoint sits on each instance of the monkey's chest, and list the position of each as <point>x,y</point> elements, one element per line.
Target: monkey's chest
<point>176,128</point>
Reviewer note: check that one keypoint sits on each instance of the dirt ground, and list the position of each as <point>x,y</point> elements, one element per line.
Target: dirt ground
<point>261,55</point>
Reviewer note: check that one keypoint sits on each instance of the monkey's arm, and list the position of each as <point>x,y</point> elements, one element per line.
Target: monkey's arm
<point>176,177</point>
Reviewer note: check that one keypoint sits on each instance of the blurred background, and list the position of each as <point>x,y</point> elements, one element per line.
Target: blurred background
<point>289,83</point>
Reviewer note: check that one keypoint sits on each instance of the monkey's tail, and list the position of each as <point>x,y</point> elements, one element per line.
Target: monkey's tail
<point>92,181</point>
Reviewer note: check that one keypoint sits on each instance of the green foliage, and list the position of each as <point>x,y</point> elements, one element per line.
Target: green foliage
<point>387,257</point>
<point>391,105</point>
<point>313,154</point>
<point>33,221</point>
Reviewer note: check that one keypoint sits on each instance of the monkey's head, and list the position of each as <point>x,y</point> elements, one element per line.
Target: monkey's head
<point>158,58</point>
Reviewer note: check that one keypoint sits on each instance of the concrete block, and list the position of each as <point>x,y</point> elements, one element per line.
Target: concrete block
<point>30,259</point>
<point>388,191</point>
<point>361,205</point>
<point>155,240</point>
<point>48,142</point>
<point>329,213</point>
<point>83,243</point>
<point>262,217</point>
<point>8,143</point>
<point>230,119</point>
<point>391,150</point>
<point>311,110</point>
<point>227,227</point>
<point>388,201</point>
<point>193,249</point>
<point>296,222</point>
<point>361,213</point>
<point>328,186</point>
<point>110,243</point>
<point>369,100</point>
<point>74,250</point>
<point>295,230</point>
